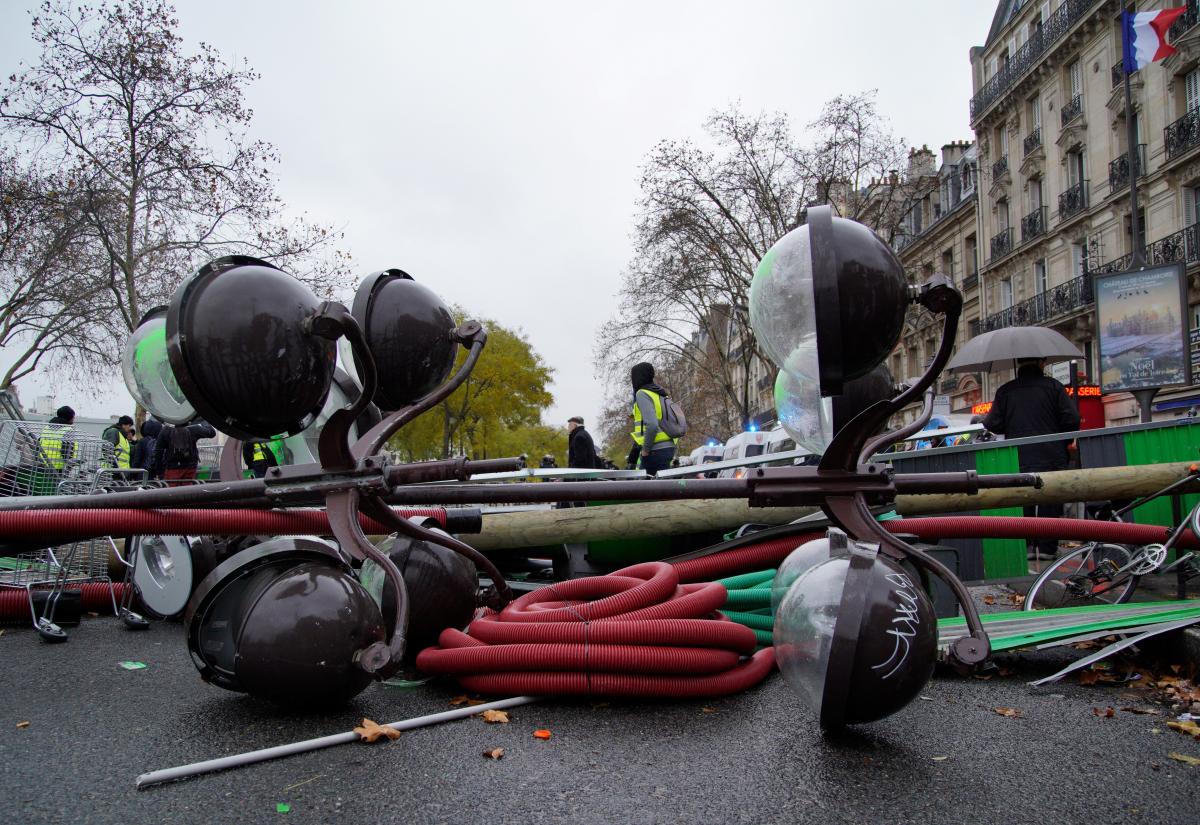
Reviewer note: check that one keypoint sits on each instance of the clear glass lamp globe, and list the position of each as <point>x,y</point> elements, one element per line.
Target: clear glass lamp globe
<point>148,374</point>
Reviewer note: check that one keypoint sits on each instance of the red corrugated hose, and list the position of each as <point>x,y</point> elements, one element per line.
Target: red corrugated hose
<point>14,602</point>
<point>770,553</point>
<point>634,633</point>
<point>40,524</point>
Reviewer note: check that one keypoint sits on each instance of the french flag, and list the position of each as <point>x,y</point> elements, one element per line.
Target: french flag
<point>1145,36</point>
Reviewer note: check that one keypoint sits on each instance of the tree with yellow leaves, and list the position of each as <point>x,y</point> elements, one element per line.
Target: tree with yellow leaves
<point>497,410</point>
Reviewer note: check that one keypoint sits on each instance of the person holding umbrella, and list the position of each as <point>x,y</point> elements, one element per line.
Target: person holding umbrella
<point>1035,404</point>
<point>1031,404</point>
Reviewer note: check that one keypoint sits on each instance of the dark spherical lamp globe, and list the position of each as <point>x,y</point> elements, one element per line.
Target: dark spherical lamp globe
<point>410,333</point>
<point>855,637</point>
<point>827,302</point>
<point>240,346</point>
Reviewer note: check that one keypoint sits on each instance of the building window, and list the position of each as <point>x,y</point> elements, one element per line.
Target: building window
<point>1041,282</point>
<point>1075,167</point>
<point>1002,216</point>
<point>1191,198</point>
<point>1006,293</point>
<point>968,178</point>
<point>948,263</point>
<point>1079,258</point>
<point>970,255</point>
<point>1191,90</point>
<point>1035,194</point>
<point>1141,230</point>
<point>1075,74</point>
<point>1035,113</point>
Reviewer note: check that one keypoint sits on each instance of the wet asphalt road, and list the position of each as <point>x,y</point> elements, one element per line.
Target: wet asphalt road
<point>753,758</point>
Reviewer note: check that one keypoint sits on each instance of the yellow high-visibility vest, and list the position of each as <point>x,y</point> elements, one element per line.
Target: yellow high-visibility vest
<point>639,426</point>
<point>257,453</point>
<point>121,451</point>
<point>51,443</point>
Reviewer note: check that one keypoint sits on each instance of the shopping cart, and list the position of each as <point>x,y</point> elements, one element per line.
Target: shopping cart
<point>44,459</point>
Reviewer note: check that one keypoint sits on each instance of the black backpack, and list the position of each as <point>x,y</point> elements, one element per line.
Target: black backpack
<point>180,447</point>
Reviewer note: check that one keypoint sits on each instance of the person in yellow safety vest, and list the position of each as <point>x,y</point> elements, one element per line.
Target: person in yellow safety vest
<point>655,447</point>
<point>118,435</point>
<point>55,443</point>
<point>258,457</point>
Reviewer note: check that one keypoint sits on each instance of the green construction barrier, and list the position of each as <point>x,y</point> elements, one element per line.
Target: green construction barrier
<point>1001,557</point>
<point>1158,446</point>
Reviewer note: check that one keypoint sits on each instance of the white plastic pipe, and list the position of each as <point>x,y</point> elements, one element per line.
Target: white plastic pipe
<point>213,765</point>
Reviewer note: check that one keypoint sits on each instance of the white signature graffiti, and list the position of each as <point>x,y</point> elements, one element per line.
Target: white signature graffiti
<point>904,624</point>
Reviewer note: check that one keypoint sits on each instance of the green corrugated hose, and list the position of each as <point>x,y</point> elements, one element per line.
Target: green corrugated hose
<point>750,598</point>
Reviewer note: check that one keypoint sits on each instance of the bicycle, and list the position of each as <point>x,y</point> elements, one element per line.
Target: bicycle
<point>1099,572</point>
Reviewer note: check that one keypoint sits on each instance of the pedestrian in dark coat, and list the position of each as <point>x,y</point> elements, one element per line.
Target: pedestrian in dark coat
<point>581,450</point>
<point>1035,404</point>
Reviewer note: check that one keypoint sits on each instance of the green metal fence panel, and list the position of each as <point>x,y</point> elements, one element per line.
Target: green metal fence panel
<point>1001,557</point>
<point>1156,447</point>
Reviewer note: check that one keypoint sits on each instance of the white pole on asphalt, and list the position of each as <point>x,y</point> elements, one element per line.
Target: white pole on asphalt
<point>212,765</point>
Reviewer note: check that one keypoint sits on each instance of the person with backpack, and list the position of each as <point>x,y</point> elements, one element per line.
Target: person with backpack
<point>176,452</point>
<point>658,423</point>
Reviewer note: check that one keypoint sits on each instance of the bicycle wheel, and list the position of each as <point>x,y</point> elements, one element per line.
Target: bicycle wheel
<point>1087,576</point>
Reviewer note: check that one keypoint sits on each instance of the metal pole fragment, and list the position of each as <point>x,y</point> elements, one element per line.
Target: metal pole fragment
<point>265,754</point>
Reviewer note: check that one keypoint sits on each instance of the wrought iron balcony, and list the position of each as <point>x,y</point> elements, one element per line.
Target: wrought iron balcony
<point>1002,243</point>
<point>1118,73</point>
<point>1185,21</point>
<point>1000,167</point>
<point>1054,28</point>
<point>1183,134</point>
<point>1072,109</point>
<point>1183,245</point>
<point>1118,169</point>
<point>971,281</point>
<point>1033,140</point>
<point>1061,300</point>
<point>1033,224</point>
<point>1073,201</point>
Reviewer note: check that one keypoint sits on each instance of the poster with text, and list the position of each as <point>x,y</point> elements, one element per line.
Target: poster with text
<point>1140,325</point>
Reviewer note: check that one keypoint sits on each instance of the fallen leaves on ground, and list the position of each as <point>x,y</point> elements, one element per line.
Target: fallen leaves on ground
<point>1107,713</point>
<point>494,753</point>
<point>495,717</point>
<point>939,758</point>
<point>1184,758</point>
<point>989,599</point>
<point>1141,711</point>
<point>708,710</point>
<point>372,731</point>
<point>1189,727</point>
<point>1017,599</point>
<point>22,724</point>
<point>541,733</point>
<point>465,700</point>
<point>1011,713</point>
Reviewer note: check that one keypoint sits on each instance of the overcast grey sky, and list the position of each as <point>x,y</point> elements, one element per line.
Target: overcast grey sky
<point>492,149</point>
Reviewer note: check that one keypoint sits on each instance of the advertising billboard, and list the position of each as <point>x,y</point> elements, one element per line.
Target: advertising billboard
<point>1141,327</point>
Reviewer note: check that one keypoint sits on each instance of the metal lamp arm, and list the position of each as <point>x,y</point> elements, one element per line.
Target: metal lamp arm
<point>379,511</point>
<point>470,334</point>
<point>332,321</point>
<point>884,440</point>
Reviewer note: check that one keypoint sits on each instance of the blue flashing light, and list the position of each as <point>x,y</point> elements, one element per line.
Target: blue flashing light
<point>712,442</point>
<point>753,427</point>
